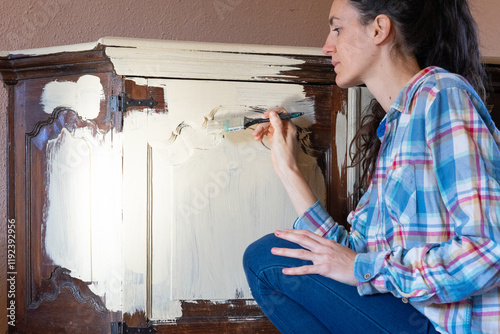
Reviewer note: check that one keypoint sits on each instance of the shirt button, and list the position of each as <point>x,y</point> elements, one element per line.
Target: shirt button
<point>405,300</point>
<point>368,276</point>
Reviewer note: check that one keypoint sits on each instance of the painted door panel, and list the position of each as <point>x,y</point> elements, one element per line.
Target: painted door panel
<point>210,195</point>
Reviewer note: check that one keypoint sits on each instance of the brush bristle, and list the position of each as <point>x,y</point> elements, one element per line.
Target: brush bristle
<point>218,122</point>
<point>232,124</point>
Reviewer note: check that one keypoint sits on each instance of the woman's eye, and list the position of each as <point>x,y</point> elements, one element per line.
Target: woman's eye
<point>337,30</point>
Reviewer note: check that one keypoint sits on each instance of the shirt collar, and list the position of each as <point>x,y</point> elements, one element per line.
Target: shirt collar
<point>406,95</point>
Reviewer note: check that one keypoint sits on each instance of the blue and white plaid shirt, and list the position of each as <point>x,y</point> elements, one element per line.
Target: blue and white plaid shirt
<point>427,230</point>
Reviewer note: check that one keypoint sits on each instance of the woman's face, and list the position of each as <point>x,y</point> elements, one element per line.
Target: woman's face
<point>349,44</point>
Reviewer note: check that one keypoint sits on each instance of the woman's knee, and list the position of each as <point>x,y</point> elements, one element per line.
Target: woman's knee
<point>257,254</point>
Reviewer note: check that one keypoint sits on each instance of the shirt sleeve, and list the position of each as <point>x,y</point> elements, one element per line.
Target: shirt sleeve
<point>317,220</point>
<point>464,146</point>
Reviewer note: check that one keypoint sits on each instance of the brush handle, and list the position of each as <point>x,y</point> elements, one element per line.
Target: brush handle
<point>283,116</point>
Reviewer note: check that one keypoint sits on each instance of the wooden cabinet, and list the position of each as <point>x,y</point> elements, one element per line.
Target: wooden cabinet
<point>128,212</point>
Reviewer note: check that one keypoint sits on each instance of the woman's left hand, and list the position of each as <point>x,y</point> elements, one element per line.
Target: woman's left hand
<point>328,257</point>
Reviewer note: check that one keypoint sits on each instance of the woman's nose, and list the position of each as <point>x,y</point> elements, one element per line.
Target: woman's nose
<point>329,47</point>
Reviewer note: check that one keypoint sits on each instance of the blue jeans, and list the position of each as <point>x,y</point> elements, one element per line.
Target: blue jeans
<point>315,304</point>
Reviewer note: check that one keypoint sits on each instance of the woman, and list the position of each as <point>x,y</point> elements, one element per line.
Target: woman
<point>427,228</point>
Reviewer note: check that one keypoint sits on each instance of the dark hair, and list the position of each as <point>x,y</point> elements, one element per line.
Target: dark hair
<point>439,33</point>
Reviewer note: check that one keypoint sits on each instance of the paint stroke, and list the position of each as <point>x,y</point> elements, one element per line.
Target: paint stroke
<point>83,210</point>
<point>341,140</point>
<point>83,96</point>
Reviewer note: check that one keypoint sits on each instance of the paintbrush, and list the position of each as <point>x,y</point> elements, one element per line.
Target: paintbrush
<point>242,123</point>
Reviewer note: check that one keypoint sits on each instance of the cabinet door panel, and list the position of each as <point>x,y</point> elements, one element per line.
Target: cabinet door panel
<point>63,211</point>
<point>198,199</point>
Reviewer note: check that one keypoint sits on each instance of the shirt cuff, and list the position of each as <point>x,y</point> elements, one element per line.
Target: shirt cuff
<point>368,268</point>
<point>316,219</point>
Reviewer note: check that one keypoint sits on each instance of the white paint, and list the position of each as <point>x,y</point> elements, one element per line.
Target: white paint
<point>340,139</point>
<point>212,195</point>
<point>83,211</point>
<point>200,64</point>
<point>83,96</point>
<point>137,43</point>
<point>140,43</point>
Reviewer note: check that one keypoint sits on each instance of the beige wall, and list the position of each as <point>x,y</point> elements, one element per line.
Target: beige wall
<point>487,15</point>
<point>41,23</point>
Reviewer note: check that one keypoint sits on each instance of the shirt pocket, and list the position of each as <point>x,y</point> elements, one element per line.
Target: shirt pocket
<point>400,195</point>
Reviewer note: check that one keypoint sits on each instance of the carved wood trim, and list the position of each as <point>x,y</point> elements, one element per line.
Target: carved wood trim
<point>60,278</point>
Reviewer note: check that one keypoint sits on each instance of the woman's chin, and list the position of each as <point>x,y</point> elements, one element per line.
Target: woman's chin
<point>343,82</point>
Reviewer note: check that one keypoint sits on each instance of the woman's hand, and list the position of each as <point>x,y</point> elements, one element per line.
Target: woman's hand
<point>282,137</point>
<point>328,257</point>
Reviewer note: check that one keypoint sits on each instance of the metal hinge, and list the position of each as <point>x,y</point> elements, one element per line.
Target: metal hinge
<point>122,102</point>
<point>122,328</point>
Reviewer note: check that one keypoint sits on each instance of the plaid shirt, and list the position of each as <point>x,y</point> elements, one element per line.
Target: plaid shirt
<point>427,230</point>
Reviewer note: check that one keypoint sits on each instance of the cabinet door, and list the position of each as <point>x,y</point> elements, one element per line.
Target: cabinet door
<point>66,170</point>
<point>194,199</point>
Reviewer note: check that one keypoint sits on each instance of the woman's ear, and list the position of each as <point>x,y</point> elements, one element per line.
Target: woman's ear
<point>382,27</point>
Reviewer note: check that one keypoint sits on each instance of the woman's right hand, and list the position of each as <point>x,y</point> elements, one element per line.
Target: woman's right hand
<point>282,137</point>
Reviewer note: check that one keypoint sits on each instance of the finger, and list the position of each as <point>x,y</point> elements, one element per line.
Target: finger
<point>276,123</point>
<point>295,253</point>
<point>278,110</point>
<point>304,238</point>
<point>308,233</point>
<point>303,232</point>
<point>291,130</point>
<point>260,131</point>
<point>304,270</point>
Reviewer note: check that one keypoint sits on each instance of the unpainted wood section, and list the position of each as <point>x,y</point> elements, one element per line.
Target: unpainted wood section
<point>494,97</point>
<point>136,320</point>
<point>17,200</point>
<point>143,92</point>
<point>314,70</point>
<point>234,316</point>
<point>11,172</point>
<point>50,66</point>
<point>244,327</point>
<point>64,315</point>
